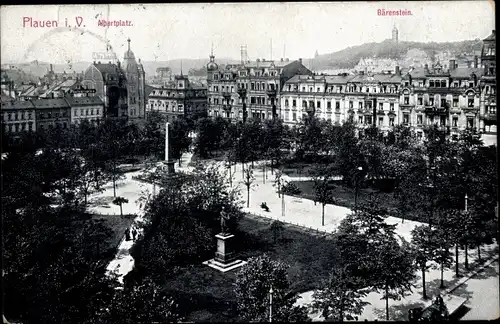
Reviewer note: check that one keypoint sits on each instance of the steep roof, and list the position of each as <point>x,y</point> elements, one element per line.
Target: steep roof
<point>107,68</point>
<point>266,64</point>
<point>18,105</point>
<point>339,79</point>
<point>491,37</point>
<point>50,103</point>
<point>466,72</point>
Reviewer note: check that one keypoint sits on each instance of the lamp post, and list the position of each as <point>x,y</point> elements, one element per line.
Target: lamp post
<point>433,191</point>
<point>357,189</point>
<point>466,247</point>
<point>271,304</point>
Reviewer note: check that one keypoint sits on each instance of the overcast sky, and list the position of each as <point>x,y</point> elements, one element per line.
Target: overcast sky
<point>170,31</point>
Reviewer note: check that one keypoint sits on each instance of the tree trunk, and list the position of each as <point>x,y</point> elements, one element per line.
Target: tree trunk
<point>323,215</point>
<point>242,170</point>
<point>114,185</point>
<point>272,167</point>
<point>230,176</point>
<point>456,261</point>
<point>252,163</point>
<point>466,257</point>
<point>442,279</point>
<point>248,196</point>
<point>386,302</point>
<point>121,210</point>
<point>85,196</point>
<point>424,292</point>
<point>479,253</point>
<point>283,205</point>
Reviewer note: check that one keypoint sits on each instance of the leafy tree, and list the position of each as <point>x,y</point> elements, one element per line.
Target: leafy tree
<point>253,283</point>
<point>119,201</point>
<point>249,181</point>
<point>323,190</point>
<point>339,299</point>
<point>179,137</point>
<point>143,302</point>
<point>393,268</point>
<point>277,228</point>
<point>424,244</point>
<point>444,240</point>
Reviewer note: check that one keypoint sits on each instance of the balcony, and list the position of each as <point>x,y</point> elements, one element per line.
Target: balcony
<point>226,94</point>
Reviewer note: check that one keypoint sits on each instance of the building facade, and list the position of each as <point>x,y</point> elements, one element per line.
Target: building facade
<point>488,86</point>
<point>51,113</point>
<point>258,84</point>
<point>135,83</point>
<point>369,99</point>
<point>179,99</point>
<point>18,116</point>
<point>448,98</point>
<point>86,108</point>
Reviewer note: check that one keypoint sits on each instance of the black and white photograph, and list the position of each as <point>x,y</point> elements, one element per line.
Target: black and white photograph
<point>249,162</point>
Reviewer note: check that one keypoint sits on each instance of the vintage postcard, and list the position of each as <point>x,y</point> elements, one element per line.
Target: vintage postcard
<point>240,162</point>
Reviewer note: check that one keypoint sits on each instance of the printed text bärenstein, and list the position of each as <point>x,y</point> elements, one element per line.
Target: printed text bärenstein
<point>400,12</point>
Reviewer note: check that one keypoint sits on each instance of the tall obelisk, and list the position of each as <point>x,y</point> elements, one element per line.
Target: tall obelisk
<point>168,159</point>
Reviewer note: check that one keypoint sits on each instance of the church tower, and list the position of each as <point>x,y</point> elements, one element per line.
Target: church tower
<point>212,67</point>
<point>135,76</point>
<point>394,34</point>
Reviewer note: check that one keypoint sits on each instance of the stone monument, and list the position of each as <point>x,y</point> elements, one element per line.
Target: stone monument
<point>168,152</point>
<point>225,258</point>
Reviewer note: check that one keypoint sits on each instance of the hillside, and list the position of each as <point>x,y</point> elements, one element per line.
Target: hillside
<point>349,57</point>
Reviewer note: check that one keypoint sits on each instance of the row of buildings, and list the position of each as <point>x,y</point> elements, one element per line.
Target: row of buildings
<point>454,97</point>
<point>103,90</point>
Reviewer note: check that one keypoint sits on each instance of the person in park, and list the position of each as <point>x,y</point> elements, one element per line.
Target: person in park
<point>134,233</point>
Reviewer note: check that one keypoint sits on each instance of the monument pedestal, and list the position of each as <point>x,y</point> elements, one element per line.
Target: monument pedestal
<point>170,166</point>
<point>225,259</point>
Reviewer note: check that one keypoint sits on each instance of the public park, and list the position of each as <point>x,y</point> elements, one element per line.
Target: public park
<point>217,221</point>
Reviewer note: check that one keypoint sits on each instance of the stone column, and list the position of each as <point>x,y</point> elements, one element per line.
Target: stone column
<point>168,158</point>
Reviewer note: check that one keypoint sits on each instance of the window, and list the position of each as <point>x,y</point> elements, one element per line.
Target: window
<point>381,106</point>
<point>406,119</point>
<point>443,103</point>
<point>391,121</point>
<point>443,83</point>
<point>360,119</point>
<point>294,103</point>
<point>368,120</point>
<point>361,105</point>
<point>419,119</point>
<point>15,116</point>
<point>310,89</point>
<point>380,121</point>
<point>9,116</point>
<point>419,100</point>
<point>419,135</point>
<point>455,122</point>
<point>431,84</point>
<point>455,101</point>
<point>294,116</point>
<point>252,86</point>
<point>470,102</point>
<point>493,110</point>
<point>317,89</point>
<point>470,122</point>
<point>286,102</point>
<point>318,104</point>
<point>337,105</point>
<point>303,89</point>
<point>431,101</point>
<point>252,100</point>
<point>311,104</point>
<point>406,100</point>
<point>329,105</point>
<point>76,113</point>
<point>304,104</point>
<point>350,105</point>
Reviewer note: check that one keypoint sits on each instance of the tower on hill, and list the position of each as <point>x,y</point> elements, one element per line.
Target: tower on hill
<point>394,34</point>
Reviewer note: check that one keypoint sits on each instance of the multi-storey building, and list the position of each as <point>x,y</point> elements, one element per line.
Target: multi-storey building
<point>488,86</point>
<point>179,99</point>
<point>445,97</point>
<point>121,89</point>
<point>52,113</point>
<point>85,108</point>
<point>258,84</point>
<point>110,84</point>
<point>369,99</point>
<point>18,116</point>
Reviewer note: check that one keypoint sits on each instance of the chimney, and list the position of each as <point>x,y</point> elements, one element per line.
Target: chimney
<point>475,61</point>
<point>281,59</point>
<point>99,62</point>
<point>258,60</point>
<point>452,65</point>
<point>287,59</point>
<point>51,68</point>
<point>300,60</point>
<point>362,72</point>
<point>397,71</point>
<point>263,60</point>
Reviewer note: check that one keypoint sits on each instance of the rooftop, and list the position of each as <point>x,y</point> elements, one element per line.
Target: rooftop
<point>84,101</point>
<point>50,103</point>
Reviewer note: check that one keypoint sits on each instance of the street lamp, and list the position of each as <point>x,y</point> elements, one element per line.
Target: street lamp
<point>432,186</point>
<point>357,189</point>
<point>271,304</point>
<point>466,198</point>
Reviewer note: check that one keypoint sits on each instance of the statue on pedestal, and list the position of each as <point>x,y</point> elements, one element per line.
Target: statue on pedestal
<point>223,218</point>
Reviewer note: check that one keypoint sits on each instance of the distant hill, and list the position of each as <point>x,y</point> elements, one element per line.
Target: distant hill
<point>349,57</point>
<point>19,76</point>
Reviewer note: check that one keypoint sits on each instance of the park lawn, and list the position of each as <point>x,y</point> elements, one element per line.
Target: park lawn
<point>345,196</point>
<point>118,225</point>
<point>208,295</point>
